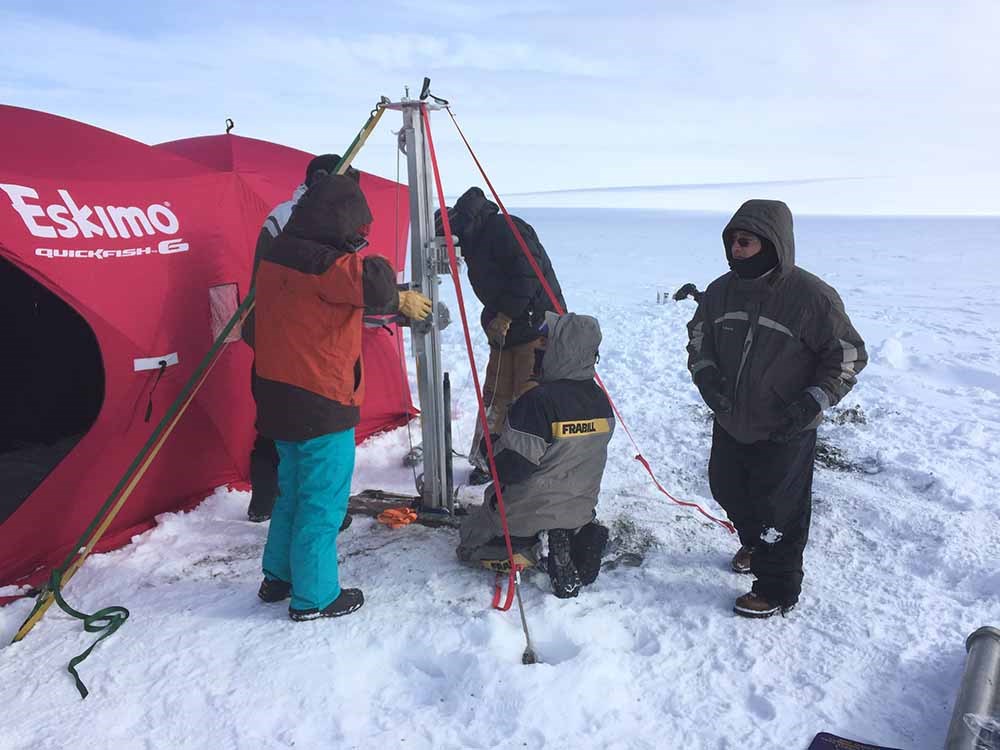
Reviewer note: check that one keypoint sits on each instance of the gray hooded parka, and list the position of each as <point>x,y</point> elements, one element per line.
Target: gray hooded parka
<point>774,337</point>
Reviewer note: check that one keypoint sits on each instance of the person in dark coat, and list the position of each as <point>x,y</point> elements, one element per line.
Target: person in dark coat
<point>550,459</point>
<point>514,303</point>
<point>264,456</point>
<point>313,289</point>
<point>770,349</point>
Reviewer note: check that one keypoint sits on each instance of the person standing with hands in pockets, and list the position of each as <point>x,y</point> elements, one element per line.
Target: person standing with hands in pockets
<point>770,348</point>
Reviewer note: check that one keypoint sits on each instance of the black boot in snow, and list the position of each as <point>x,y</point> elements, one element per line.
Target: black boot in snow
<point>587,547</point>
<point>272,590</point>
<point>562,571</point>
<point>263,479</point>
<point>260,507</point>
<point>350,600</point>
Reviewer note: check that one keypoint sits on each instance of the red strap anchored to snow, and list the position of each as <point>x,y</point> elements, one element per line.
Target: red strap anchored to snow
<point>453,264</point>
<point>498,591</point>
<point>558,308</point>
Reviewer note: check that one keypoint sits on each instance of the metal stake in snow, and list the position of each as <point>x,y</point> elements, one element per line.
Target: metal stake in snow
<point>528,657</point>
<point>515,572</point>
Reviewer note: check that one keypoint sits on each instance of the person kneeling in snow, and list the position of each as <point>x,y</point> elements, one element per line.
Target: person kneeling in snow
<point>312,291</point>
<point>550,460</point>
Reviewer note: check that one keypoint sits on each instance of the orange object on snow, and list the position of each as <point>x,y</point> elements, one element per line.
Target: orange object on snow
<point>396,518</point>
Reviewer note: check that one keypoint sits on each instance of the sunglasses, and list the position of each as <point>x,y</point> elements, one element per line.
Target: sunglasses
<point>744,241</point>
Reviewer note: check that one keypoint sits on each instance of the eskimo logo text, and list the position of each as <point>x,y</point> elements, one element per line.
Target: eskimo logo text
<point>72,220</point>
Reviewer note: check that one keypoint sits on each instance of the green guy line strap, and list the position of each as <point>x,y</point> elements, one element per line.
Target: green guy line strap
<point>104,621</point>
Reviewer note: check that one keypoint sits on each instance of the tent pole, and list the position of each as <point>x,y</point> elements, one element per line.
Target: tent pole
<point>428,260</point>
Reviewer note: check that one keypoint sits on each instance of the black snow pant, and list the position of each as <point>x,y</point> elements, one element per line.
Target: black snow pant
<point>263,468</point>
<point>766,490</point>
<point>263,477</point>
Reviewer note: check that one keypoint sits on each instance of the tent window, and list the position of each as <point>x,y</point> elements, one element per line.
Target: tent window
<point>224,299</point>
<point>51,383</point>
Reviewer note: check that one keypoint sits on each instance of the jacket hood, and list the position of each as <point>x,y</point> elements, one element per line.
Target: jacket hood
<point>470,214</point>
<point>331,212</point>
<point>771,220</point>
<point>571,352</point>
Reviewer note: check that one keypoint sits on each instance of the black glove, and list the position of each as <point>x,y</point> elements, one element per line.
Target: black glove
<point>688,290</point>
<point>712,387</point>
<point>798,415</point>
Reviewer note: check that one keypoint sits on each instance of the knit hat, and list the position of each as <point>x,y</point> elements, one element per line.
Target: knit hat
<point>327,164</point>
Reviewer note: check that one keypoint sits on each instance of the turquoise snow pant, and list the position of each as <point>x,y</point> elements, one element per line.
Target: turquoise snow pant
<point>314,485</point>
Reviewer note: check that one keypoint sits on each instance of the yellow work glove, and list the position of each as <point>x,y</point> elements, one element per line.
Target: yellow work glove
<point>414,305</point>
<point>496,331</point>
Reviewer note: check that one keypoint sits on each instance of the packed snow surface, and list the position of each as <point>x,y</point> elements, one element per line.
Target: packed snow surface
<point>900,568</point>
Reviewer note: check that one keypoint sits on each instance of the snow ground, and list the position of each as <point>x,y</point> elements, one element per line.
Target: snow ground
<point>901,565</point>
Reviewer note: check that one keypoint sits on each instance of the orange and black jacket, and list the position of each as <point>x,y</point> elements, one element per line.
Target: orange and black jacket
<point>312,292</point>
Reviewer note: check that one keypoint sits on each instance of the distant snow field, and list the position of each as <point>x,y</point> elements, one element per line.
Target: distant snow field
<point>900,568</point>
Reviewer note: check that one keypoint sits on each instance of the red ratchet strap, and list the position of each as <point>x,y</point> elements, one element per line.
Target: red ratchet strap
<point>453,264</point>
<point>498,591</point>
<point>558,308</point>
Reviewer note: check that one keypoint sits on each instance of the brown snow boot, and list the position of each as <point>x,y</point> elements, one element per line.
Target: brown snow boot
<point>741,560</point>
<point>755,606</point>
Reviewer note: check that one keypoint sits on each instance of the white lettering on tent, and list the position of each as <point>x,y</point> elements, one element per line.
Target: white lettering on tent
<point>128,218</point>
<point>81,216</point>
<point>60,215</point>
<point>103,216</point>
<point>163,218</point>
<point>166,247</point>
<point>17,194</point>
<point>75,220</point>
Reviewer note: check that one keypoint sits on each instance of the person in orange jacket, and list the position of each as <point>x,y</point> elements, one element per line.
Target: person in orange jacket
<point>264,455</point>
<point>313,289</point>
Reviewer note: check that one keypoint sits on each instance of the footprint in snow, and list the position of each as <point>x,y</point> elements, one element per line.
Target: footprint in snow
<point>761,707</point>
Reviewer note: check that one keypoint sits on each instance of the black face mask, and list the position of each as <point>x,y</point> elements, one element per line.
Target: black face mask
<point>757,265</point>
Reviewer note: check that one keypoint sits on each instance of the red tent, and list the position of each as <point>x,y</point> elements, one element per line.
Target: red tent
<point>267,175</point>
<point>115,257</point>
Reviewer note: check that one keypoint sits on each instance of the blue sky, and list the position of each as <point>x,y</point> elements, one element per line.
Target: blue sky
<point>554,95</point>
